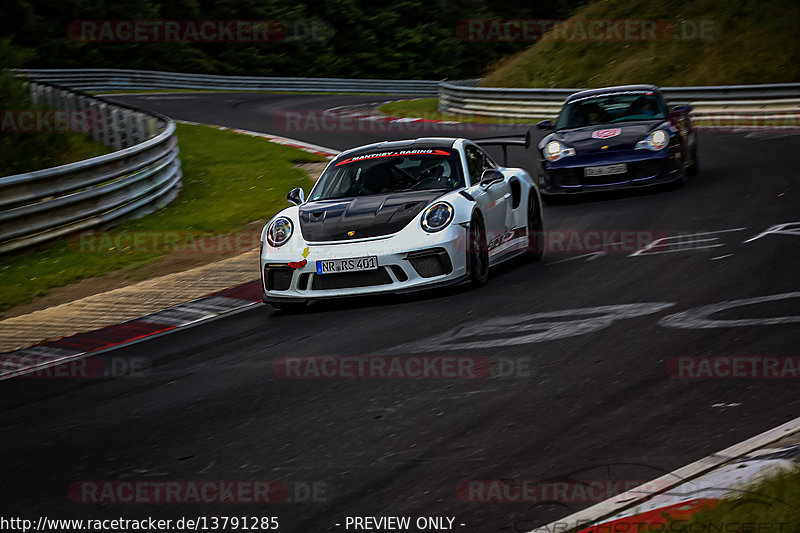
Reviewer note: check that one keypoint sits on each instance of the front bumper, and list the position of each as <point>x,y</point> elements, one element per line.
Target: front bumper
<point>643,169</point>
<point>433,260</point>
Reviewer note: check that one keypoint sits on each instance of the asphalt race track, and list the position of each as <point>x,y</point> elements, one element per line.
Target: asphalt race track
<point>588,395</point>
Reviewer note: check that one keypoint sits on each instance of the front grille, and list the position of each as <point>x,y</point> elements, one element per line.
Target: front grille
<point>351,280</point>
<point>431,263</point>
<point>277,279</point>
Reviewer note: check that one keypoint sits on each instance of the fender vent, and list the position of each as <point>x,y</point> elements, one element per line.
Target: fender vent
<point>516,192</point>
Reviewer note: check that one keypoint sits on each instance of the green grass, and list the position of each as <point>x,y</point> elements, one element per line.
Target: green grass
<point>428,108</point>
<point>769,503</point>
<point>751,42</point>
<point>63,148</point>
<point>228,180</point>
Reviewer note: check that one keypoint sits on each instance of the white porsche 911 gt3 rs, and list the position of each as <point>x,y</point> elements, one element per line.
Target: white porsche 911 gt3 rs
<point>398,216</point>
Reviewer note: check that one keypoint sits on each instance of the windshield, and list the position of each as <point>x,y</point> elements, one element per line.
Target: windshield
<point>390,171</point>
<point>611,107</point>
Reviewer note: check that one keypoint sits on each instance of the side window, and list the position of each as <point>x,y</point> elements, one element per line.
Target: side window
<point>487,161</point>
<point>475,162</point>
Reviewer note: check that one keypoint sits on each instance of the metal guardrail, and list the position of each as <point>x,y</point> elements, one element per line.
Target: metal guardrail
<point>143,174</point>
<point>127,80</point>
<point>767,102</point>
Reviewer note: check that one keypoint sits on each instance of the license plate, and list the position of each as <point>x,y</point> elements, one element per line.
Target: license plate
<point>355,264</point>
<point>606,170</point>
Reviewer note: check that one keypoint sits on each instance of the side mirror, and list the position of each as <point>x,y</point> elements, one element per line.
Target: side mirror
<point>490,176</point>
<point>682,109</point>
<point>296,196</point>
<point>545,125</point>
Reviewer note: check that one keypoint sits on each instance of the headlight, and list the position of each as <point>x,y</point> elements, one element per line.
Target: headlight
<point>437,217</point>
<point>655,141</point>
<point>554,150</point>
<point>279,231</point>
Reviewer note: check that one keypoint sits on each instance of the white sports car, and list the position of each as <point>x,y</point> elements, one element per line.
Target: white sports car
<point>397,216</point>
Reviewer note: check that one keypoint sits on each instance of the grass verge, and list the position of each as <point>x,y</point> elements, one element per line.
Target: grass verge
<point>770,505</point>
<point>229,180</point>
<point>428,108</point>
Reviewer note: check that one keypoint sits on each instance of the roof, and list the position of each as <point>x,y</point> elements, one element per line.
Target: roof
<point>616,89</point>
<point>406,144</point>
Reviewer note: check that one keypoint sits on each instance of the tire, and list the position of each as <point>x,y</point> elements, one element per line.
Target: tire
<point>549,199</point>
<point>477,253</point>
<point>692,169</point>
<point>535,248</point>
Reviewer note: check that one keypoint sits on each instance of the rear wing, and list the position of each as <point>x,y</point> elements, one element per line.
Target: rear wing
<point>522,139</point>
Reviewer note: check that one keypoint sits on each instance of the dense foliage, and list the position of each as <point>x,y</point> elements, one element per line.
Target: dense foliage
<point>353,38</point>
<point>704,42</point>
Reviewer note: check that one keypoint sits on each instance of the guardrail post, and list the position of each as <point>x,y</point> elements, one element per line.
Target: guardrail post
<point>116,129</point>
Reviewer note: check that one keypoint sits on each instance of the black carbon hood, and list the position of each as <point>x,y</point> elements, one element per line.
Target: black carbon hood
<point>363,216</point>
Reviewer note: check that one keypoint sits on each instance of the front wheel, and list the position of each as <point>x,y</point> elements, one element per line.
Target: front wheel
<point>692,169</point>
<point>477,253</point>
<point>535,249</point>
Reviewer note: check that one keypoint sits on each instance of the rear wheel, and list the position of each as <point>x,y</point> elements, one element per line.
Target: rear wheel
<point>477,253</point>
<point>535,229</point>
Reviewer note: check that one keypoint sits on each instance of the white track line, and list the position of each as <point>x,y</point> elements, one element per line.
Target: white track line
<point>607,509</point>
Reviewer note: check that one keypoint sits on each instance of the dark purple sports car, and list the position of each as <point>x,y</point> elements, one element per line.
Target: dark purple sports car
<point>616,137</point>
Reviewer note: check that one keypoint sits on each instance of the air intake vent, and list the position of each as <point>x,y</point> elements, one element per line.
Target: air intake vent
<point>431,263</point>
<point>351,280</point>
<point>399,273</point>
<point>278,279</point>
